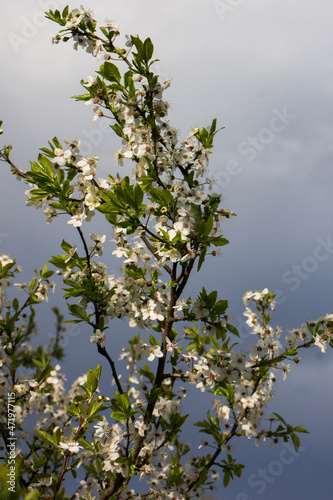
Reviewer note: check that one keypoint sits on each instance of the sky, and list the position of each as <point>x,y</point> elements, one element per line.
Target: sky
<point>264,69</point>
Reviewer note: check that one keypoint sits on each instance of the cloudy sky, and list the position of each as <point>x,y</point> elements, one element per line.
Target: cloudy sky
<point>264,69</point>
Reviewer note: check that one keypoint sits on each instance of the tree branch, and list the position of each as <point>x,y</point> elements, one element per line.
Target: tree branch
<point>103,352</point>
<point>14,167</point>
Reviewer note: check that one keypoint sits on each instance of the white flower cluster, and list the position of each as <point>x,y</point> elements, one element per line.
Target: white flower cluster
<point>322,333</point>
<point>84,185</point>
<point>242,369</point>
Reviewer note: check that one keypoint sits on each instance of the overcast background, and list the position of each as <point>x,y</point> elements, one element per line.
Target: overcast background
<point>244,62</point>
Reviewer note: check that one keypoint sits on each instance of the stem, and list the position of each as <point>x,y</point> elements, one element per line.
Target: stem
<point>186,274</point>
<point>85,248</point>
<point>103,352</point>
<point>100,349</point>
<point>211,462</point>
<point>16,169</point>
<point>90,36</point>
<point>282,356</point>
<point>151,249</point>
<point>67,454</point>
<point>120,481</point>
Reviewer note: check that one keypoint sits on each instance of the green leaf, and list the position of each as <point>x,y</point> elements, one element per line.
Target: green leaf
<point>146,371</point>
<point>128,82</point>
<point>48,152</point>
<point>226,478</point>
<point>45,273</point>
<point>65,12</point>
<point>145,182</point>
<point>59,261</point>
<point>296,441</point>
<point>98,372</point>
<point>213,127</point>
<point>148,49</point>
<point>85,444</point>
<point>202,257</point>
<point>292,352</point>
<point>221,306</point>
<point>36,194</point>
<point>46,164</point>
<point>219,241</point>
<point>209,225</point>
<point>232,329</point>
<point>135,272</point>
<point>60,177</point>
<point>138,196</point>
<point>281,419</point>
<point>47,437</point>
<point>78,311</point>
<point>110,72</point>
<point>55,16</point>
<point>93,378</point>
<point>36,168</point>
<point>211,299</point>
<point>161,196</point>
<point>201,227</point>
<point>119,415</point>
<point>299,428</point>
<point>57,206</point>
<point>92,382</point>
<point>32,284</point>
<point>152,340</point>
<point>57,143</point>
<point>74,411</point>
<point>82,97</point>
<point>95,407</point>
<point>138,44</point>
<point>66,246</point>
<point>121,460</point>
<point>118,130</point>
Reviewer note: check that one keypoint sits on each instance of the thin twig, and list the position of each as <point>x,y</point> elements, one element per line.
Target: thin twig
<point>14,167</point>
<point>151,249</point>
<point>103,352</point>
